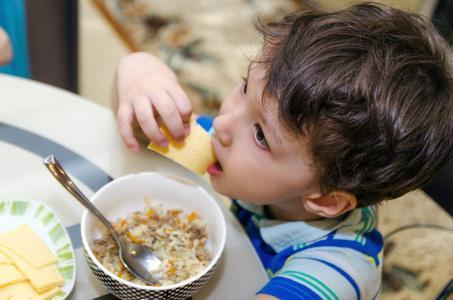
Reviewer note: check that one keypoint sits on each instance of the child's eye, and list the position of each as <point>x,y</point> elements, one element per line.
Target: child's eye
<point>260,138</point>
<point>244,85</point>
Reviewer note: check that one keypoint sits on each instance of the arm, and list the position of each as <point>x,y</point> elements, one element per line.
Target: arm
<point>6,53</point>
<point>146,93</point>
<point>324,273</point>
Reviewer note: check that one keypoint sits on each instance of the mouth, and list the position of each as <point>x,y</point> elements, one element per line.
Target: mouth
<point>215,169</point>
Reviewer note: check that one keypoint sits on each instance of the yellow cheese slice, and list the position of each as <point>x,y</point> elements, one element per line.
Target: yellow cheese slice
<point>47,295</point>
<point>9,274</point>
<point>42,279</point>
<point>195,152</point>
<point>24,291</point>
<point>4,259</point>
<point>24,242</point>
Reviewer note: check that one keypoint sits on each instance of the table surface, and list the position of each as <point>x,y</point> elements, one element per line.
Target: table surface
<point>37,120</point>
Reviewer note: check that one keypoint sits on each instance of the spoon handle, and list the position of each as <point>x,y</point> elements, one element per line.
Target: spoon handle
<point>63,178</point>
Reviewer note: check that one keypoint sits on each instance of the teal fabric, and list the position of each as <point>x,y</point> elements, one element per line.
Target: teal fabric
<point>13,21</point>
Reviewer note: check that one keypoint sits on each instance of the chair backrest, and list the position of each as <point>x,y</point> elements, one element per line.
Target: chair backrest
<point>440,188</point>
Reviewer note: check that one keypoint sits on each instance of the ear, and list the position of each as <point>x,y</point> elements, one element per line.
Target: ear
<point>330,205</point>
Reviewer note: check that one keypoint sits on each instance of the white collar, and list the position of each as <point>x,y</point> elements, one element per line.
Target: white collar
<point>281,234</point>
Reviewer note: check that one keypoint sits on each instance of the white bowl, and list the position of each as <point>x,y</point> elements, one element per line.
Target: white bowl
<point>126,195</point>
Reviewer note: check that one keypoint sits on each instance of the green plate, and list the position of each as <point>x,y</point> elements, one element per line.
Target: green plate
<point>49,227</point>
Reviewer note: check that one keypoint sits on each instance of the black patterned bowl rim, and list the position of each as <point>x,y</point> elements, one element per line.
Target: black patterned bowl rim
<point>131,293</point>
<point>180,284</point>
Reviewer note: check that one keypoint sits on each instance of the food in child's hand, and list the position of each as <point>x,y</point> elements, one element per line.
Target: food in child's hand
<point>195,152</point>
<point>177,238</point>
<point>28,269</point>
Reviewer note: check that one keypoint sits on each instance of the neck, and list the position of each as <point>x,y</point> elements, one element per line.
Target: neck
<point>291,210</point>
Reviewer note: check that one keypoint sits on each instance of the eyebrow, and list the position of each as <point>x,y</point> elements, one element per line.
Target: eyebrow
<point>272,130</point>
<point>248,69</point>
<point>268,126</point>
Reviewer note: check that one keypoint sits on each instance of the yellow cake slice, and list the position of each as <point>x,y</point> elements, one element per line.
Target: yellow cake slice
<point>195,152</point>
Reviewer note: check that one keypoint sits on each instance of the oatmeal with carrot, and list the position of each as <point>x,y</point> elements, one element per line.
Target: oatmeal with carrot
<point>176,237</point>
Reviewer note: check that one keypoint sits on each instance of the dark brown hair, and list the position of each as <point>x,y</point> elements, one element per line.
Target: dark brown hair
<point>370,85</point>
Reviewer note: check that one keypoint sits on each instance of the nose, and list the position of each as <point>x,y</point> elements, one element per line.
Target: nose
<point>222,127</point>
<point>228,117</point>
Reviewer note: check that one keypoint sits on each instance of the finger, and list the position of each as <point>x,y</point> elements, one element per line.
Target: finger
<point>145,117</point>
<point>182,102</point>
<point>125,117</point>
<point>166,108</point>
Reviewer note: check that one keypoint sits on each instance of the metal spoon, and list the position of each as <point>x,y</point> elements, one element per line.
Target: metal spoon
<point>138,259</point>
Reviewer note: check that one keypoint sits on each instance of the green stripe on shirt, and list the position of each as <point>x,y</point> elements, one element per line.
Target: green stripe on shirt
<point>312,282</point>
<point>367,222</point>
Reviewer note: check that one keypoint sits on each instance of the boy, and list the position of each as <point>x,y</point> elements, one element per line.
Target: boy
<point>338,112</point>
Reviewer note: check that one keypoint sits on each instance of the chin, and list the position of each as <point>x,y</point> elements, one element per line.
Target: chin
<point>221,188</point>
<point>217,186</point>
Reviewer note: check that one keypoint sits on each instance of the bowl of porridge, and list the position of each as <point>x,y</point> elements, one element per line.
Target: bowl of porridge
<point>179,220</point>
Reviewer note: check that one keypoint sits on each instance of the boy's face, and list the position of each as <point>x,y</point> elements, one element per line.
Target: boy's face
<point>260,161</point>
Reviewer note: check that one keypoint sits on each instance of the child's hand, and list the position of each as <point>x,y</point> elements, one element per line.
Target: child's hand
<point>147,93</point>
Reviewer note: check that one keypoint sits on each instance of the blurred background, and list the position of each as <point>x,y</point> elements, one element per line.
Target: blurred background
<point>76,45</point>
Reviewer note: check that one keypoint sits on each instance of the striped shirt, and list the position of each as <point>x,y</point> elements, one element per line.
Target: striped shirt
<point>337,259</point>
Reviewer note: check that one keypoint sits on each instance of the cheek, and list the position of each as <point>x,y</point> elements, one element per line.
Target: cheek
<point>262,182</point>
<point>239,163</point>
<point>258,190</point>
<point>248,178</point>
